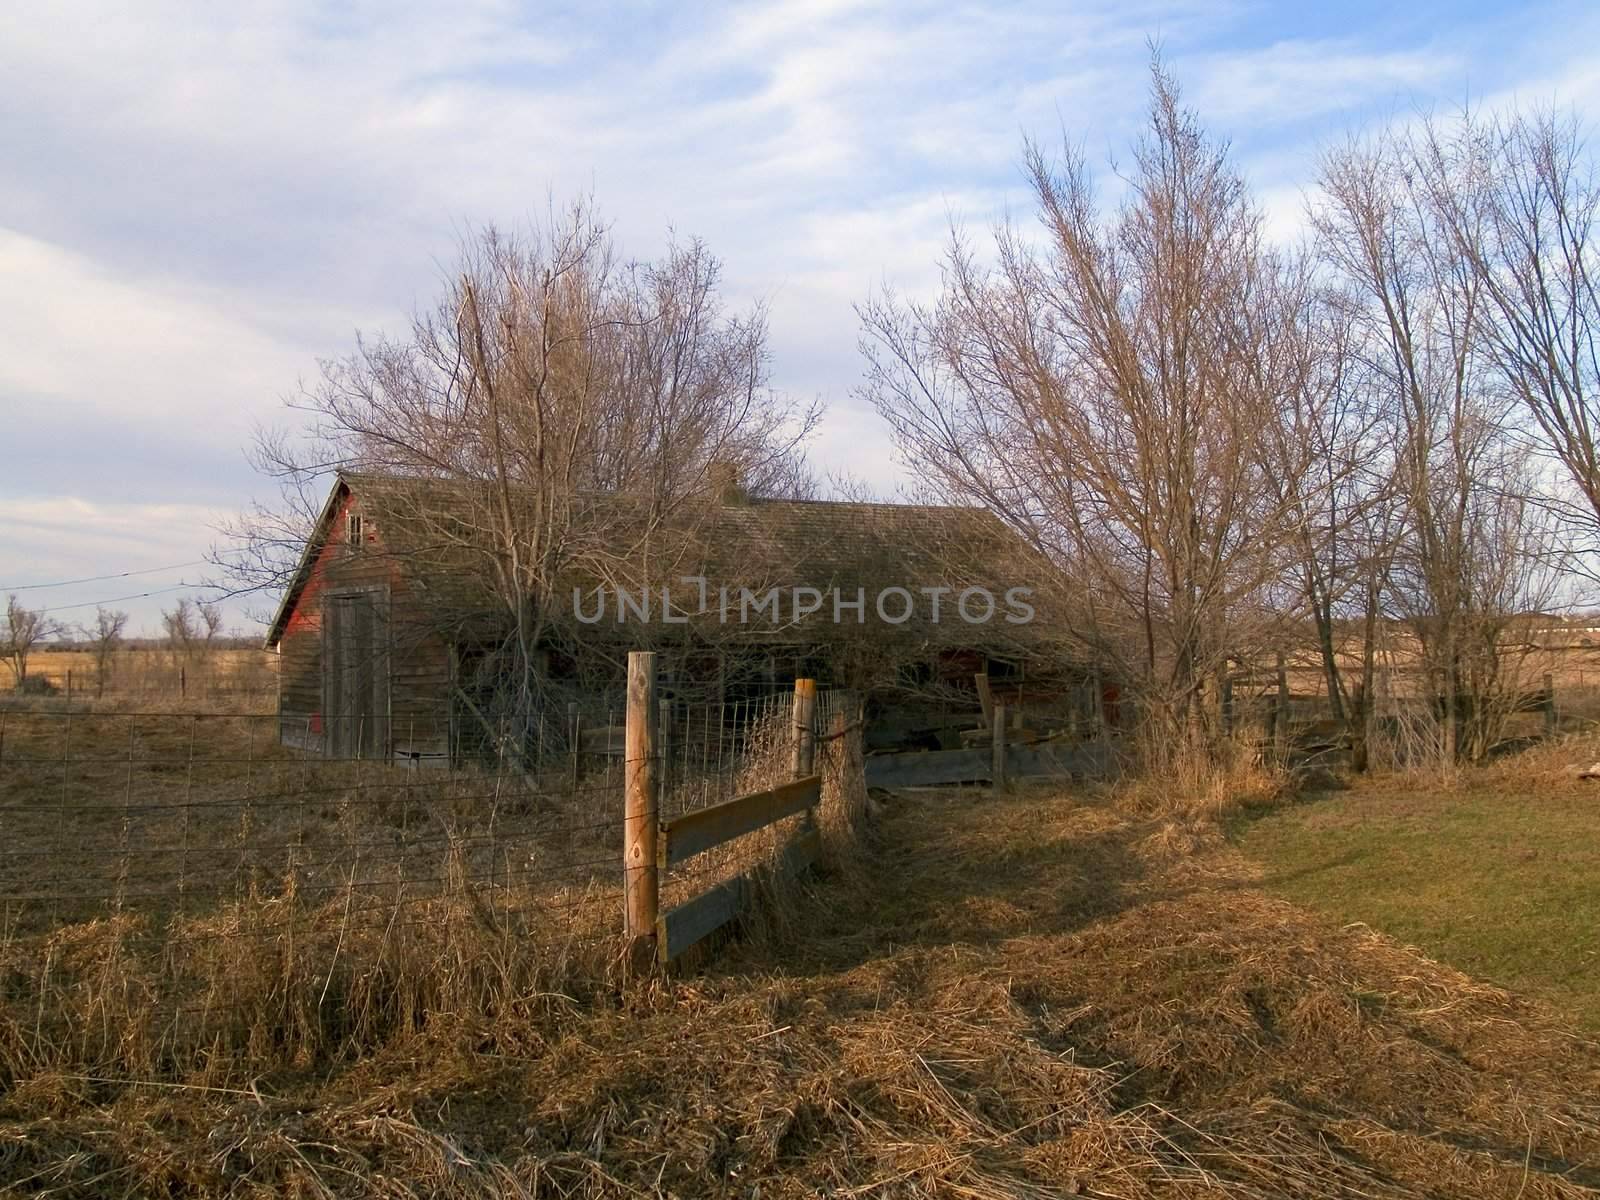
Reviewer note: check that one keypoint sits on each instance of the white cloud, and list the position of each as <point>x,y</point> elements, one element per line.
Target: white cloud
<point>149,533</point>
<point>1283,211</point>
<point>198,202</point>
<point>1292,81</point>
<point>76,337</point>
<point>1573,85</point>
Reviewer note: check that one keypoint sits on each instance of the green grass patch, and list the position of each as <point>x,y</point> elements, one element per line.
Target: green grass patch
<point>1504,884</point>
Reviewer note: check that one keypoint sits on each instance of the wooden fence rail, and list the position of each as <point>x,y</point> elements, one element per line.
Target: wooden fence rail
<point>672,842</point>
<point>924,768</point>
<point>702,828</point>
<point>694,920</point>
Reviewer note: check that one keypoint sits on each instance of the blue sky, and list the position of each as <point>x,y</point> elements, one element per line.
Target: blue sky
<point>199,202</point>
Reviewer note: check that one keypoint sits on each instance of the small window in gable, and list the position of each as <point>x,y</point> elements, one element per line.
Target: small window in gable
<point>352,531</point>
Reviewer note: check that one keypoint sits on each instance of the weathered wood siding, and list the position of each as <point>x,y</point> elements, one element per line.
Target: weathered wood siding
<point>377,655</point>
<point>421,677</point>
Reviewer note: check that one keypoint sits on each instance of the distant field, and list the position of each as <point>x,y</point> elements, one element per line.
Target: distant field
<point>243,678</point>
<point>1500,878</point>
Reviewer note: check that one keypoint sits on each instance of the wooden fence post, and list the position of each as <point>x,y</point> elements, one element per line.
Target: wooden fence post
<point>1447,715</point>
<point>1097,705</point>
<point>805,731</point>
<point>640,875</point>
<point>1280,714</point>
<point>999,766</point>
<point>575,731</point>
<point>1225,699</point>
<point>1549,705</point>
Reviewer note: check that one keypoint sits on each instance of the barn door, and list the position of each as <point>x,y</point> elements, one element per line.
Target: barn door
<point>355,664</point>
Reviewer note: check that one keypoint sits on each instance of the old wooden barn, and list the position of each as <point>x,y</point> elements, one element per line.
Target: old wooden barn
<point>387,621</point>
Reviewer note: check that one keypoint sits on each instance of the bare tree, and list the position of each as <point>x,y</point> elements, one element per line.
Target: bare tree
<point>208,628</point>
<point>548,374</point>
<point>1469,556</point>
<point>1520,199</point>
<point>182,631</point>
<point>105,639</point>
<point>1330,467</point>
<point>1110,394</point>
<point>25,628</point>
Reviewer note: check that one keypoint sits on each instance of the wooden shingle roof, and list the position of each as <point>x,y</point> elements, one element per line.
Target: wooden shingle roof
<point>737,542</point>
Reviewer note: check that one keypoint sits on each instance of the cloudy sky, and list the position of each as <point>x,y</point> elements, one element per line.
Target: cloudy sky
<point>199,202</point>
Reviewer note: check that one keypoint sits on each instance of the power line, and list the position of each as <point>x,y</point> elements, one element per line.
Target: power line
<point>34,587</point>
<point>178,587</point>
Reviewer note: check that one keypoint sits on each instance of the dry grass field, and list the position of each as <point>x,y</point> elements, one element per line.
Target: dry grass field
<point>179,894</point>
<point>1052,993</point>
<point>166,814</point>
<point>237,680</point>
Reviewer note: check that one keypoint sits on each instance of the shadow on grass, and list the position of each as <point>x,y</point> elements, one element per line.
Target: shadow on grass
<point>1351,858</point>
<point>967,869</point>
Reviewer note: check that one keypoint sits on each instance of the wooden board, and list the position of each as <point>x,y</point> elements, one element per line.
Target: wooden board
<point>1084,760</point>
<point>1046,760</point>
<point>697,919</point>
<point>985,698</point>
<point>601,739</point>
<point>355,661</point>
<point>684,837</point>
<point>918,769</point>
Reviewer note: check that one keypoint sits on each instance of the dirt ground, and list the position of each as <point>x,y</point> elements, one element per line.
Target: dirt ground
<point>1039,995</point>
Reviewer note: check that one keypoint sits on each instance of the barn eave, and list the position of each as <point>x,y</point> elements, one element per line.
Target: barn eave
<point>308,559</point>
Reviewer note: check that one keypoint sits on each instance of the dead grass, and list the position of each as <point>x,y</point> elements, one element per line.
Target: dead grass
<point>1204,788</point>
<point>165,816</point>
<point>198,919</point>
<point>232,679</point>
<point>1041,995</point>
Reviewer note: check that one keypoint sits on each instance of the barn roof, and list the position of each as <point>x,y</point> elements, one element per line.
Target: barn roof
<point>735,541</point>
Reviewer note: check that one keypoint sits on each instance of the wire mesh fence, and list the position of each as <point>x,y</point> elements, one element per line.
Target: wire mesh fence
<point>170,813</point>
<point>177,884</point>
<point>758,790</point>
